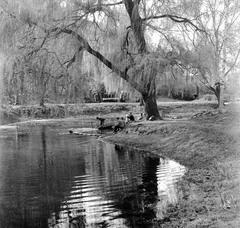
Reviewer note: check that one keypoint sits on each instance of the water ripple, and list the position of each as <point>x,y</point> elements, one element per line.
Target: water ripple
<point>54,180</point>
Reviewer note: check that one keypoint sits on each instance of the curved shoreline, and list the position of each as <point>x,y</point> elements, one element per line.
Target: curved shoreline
<point>206,145</point>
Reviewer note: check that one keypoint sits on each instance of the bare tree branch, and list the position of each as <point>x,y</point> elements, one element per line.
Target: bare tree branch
<point>234,63</point>
<point>175,18</point>
<point>113,4</point>
<point>72,60</point>
<point>39,47</point>
<point>85,45</point>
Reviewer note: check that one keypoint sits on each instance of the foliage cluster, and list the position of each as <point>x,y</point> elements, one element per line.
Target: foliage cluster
<point>63,51</point>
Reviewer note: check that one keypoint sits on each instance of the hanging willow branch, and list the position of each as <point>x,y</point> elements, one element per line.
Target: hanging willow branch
<point>145,70</point>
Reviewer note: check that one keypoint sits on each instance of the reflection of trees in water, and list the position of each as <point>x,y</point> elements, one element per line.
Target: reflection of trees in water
<point>151,180</point>
<point>38,169</point>
<point>20,201</point>
<point>138,208</point>
<point>109,176</point>
<point>87,182</point>
<point>157,191</point>
<point>106,178</point>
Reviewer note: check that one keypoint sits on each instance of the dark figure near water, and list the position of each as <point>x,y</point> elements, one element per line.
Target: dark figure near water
<point>141,117</point>
<point>102,120</point>
<point>130,116</point>
<point>119,124</point>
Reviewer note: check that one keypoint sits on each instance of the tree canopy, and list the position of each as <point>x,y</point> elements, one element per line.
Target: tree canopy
<point>62,49</point>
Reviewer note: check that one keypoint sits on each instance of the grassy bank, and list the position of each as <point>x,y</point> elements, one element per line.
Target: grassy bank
<point>207,146</point>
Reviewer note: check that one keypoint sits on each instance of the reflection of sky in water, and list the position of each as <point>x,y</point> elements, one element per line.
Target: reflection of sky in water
<point>47,178</point>
<point>169,173</point>
<point>90,198</point>
<point>89,205</point>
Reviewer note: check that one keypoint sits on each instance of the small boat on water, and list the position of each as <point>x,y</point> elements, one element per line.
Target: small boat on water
<point>106,126</point>
<point>84,131</point>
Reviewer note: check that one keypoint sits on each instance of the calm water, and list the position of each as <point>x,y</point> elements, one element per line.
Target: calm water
<point>52,179</point>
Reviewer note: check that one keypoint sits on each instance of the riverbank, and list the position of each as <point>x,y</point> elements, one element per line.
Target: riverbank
<point>208,146</point>
<point>170,109</point>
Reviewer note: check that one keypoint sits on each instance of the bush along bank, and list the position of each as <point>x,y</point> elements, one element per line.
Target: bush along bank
<point>62,111</point>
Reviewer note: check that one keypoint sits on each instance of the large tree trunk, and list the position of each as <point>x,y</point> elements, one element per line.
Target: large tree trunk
<point>149,96</point>
<point>150,106</point>
<point>219,92</point>
<point>132,8</point>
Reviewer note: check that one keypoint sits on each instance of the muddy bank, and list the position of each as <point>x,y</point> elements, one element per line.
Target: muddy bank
<point>208,149</point>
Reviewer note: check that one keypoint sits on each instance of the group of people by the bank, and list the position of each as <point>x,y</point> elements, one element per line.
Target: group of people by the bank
<point>121,123</point>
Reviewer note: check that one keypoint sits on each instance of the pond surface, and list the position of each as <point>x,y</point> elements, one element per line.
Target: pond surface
<point>52,179</point>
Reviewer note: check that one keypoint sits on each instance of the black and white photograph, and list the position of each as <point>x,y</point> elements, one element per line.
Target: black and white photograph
<point>119,113</point>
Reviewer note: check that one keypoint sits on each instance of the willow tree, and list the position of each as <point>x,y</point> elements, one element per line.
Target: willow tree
<point>79,20</point>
